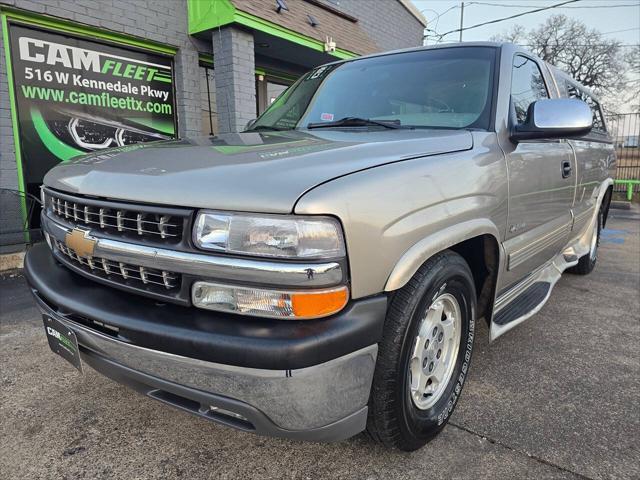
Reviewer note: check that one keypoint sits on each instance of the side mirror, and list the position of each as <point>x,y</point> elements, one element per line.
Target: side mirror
<point>554,118</point>
<point>249,124</point>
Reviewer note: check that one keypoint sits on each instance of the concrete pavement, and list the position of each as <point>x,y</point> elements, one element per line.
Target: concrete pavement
<point>558,397</point>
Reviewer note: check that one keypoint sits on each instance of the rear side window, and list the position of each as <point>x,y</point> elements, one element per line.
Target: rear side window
<point>527,85</point>
<point>573,92</point>
<point>598,121</point>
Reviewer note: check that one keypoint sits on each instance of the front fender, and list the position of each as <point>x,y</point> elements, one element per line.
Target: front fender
<point>396,216</point>
<point>419,253</point>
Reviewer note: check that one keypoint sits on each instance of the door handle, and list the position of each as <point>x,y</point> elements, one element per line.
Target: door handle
<point>566,169</point>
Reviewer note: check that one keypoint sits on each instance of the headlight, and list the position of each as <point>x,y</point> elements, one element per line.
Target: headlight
<point>269,235</point>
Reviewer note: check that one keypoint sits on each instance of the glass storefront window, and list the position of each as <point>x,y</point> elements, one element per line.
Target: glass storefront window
<point>267,90</point>
<point>274,90</point>
<point>209,111</point>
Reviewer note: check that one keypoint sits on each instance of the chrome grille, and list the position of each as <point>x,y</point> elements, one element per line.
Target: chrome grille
<point>115,219</point>
<point>159,281</point>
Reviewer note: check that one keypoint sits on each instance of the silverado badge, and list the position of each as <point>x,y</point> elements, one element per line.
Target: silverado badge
<point>80,241</point>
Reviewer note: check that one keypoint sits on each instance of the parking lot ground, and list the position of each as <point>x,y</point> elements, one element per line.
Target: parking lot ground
<point>557,397</point>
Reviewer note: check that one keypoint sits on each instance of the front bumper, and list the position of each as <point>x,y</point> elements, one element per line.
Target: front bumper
<point>324,401</point>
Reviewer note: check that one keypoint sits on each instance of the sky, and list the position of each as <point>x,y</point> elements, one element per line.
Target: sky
<point>607,16</point>
<point>616,19</point>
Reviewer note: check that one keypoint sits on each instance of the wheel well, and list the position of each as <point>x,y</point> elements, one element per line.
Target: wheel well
<point>483,256</point>
<point>606,202</point>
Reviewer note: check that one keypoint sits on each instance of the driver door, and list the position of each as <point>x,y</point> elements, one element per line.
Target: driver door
<point>541,184</point>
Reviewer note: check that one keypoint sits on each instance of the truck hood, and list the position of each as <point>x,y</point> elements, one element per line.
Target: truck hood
<point>254,172</point>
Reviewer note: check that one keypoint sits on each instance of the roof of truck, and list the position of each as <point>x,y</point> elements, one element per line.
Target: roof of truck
<point>430,47</point>
<point>556,72</point>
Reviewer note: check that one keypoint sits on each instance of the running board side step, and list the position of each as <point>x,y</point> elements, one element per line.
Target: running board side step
<point>523,304</point>
<point>527,298</point>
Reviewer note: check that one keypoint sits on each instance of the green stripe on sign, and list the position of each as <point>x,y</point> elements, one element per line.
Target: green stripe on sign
<point>86,31</point>
<point>56,146</point>
<point>164,126</point>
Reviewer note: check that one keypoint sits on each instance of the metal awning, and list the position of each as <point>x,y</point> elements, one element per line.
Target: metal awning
<point>293,25</point>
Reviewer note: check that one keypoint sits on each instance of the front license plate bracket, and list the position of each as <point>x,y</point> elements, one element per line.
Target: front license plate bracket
<point>62,340</point>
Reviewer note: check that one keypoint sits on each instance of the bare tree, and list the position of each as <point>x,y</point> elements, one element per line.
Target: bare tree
<point>517,34</point>
<point>582,52</point>
<point>633,83</point>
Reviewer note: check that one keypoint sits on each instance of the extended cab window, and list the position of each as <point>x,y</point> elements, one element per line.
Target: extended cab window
<point>443,88</point>
<point>527,85</point>
<point>598,120</point>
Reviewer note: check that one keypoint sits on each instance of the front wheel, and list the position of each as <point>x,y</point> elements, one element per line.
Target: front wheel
<point>424,357</point>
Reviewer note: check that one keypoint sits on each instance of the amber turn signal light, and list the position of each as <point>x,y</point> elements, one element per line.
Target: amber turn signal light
<point>287,305</point>
<point>319,304</point>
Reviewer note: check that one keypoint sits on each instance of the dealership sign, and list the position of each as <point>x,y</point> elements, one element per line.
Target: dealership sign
<point>55,54</point>
<point>75,96</point>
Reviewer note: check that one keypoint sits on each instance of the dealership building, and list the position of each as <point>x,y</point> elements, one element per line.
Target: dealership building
<point>83,75</point>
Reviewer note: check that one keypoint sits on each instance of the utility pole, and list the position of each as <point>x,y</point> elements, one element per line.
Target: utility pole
<point>461,18</point>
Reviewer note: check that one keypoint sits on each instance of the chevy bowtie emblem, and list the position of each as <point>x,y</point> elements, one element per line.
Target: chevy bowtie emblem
<point>81,242</point>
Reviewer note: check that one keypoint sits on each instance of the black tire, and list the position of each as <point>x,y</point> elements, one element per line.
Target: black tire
<point>394,420</point>
<point>587,262</point>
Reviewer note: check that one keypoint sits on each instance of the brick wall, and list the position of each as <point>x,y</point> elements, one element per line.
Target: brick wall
<point>234,64</point>
<point>163,21</point>
<point>10,209</point>
<point>387,22</point>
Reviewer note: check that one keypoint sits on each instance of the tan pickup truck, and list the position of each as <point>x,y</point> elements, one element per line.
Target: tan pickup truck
<point>322,272</point>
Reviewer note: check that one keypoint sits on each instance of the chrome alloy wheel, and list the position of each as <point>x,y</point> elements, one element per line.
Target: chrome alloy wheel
<point>435,350</point>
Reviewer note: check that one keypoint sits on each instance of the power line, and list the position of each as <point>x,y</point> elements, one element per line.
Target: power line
<point>438,15</point>
<point>628,45</point>
<point>572,7</point>
<point>620,31</point>
<point>621,45</point>
<point>625,45</point>
<point>508,18</point>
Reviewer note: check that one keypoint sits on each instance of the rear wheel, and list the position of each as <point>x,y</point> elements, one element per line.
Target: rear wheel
<point>587,263</point>
<point>424,356</point>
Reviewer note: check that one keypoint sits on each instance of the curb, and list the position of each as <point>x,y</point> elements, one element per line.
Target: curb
<point>11,261</point>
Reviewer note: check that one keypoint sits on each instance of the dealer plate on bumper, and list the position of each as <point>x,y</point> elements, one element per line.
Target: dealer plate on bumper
<point>62,341</point>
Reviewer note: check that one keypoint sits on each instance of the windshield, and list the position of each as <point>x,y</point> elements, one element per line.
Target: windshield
<point>443,88</point>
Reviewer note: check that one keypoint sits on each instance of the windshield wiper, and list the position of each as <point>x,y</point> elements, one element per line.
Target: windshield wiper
<point>264,127</point>
<point>357,122</point>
